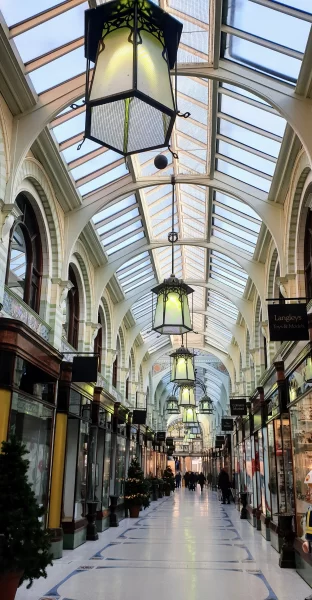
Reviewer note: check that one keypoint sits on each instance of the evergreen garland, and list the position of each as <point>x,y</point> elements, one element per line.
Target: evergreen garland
<point>137,488</point>
<point>25,544</point>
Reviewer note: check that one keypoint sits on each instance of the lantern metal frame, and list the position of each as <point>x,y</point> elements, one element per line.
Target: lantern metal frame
<point>137,16</point>
<point>188,357</point>
<point>192,401</point>
<point>189,416</point>
<point>206,405</point>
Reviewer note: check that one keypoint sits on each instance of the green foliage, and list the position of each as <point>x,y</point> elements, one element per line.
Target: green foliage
<point>25,544</point>
<point>137,488</point>
<point>168,478</point>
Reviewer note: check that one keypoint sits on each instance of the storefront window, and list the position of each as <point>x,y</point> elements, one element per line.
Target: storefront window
<point>120,466</point>
<point>75,488</point>
<point>82,467</point>
<point>280,465</point>
<point>106,470</point>
<point>261,500</point>
<point>288,467</point>
<point>267,510</point>
<point>32,423</point>
<point>273,475</point>
<point>249,488</point>
<point>301,424</point>
<point>255,471</point>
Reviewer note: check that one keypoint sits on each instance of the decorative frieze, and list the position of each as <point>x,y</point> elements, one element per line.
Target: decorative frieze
<point>15,308</point>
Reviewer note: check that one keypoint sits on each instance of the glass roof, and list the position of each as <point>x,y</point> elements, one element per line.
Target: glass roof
<point>231,134</point>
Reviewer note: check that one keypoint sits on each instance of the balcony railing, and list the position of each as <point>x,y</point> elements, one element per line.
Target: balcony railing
<point>15,307</point>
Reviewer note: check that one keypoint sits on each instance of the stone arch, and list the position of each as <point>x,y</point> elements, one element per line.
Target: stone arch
<point>4,152</point>
<point>33,171</point>
<point>108,320</point>
<point>122,343</point>
<point>75,264</point>
<point>83,260</point>
<point>271,281</point>
<point>301,176</point>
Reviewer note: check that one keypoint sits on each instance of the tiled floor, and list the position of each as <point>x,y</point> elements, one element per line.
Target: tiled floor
<point>187,546</point>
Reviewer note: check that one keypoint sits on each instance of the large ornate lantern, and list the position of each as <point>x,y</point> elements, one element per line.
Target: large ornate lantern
<point>187,396</point>
<point>182,366</point>
<point>172,314</point>
<point>130,106</point>
<point>172,406</point>
<point>189,416</point>
<point>206,406</point>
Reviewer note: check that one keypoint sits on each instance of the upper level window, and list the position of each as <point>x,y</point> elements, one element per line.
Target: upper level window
<point>72,316</point>
<point>115,371</point>
<point>24,265</point>
<point>308,255</point>
<point>98,343</point>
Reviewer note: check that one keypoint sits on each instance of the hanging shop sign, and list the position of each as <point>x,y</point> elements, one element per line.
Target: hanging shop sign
<point>85,369</point>
<point>169,441</point>
<point>226,424</point>
<point>139,417</point>
<point>288,322</point>
<point>238,407</point>
<point>219,441</point>
<point>161,436</point>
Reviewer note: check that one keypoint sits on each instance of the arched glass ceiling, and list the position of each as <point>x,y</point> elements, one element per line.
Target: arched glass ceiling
<point>232,137</point>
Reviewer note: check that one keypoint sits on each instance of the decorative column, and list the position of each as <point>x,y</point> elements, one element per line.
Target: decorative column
<point>110,357</point>
<point>58,460</point>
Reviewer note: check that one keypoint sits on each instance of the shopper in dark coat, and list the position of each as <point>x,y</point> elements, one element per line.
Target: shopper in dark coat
<point>201,480</point>
<point>187,479</point>
<point>224,485</point>
<point>178,480</point>
<point>192,481</point>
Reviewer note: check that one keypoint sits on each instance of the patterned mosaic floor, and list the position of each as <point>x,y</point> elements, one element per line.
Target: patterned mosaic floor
<point>187,545</point>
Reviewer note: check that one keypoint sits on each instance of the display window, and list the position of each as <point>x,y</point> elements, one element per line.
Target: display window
<point>255,472</point>
<point>301,426</point>
<point>107,470</point>
<point>261,474</point>
<point>249,481</point>
<point>267,510</point>
<point>272,472</point>
<point>32,423</point>
<point>120,466</point>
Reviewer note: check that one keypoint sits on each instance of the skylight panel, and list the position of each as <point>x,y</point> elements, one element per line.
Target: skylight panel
<point>98,182</point>
<point>71,153</point>
<point>236,241</point>
<point>253,115</point>
<point>98,162</point>
<point>114,208</point>
<point>125,243</point>
<point>198,9</point>
<point>194,131</point>
<point>142,281</point>
<point>197,112</point>
<point>52,34</point>
<point>194,36</point>
<point>70,128</point>
<point>243,92</point>
<point>254,140</point>
<point>225,278</point>
<point>61,69</point>
<point>272,25</point>
<point>119,220</point>
<point>237,205</point>
<point>193,89</point>
<point>244,52</point>
<point>131,265</point>
<point>19,10</point>
<point>123,232</point>
<point>243,175</point>
<point>246,157</point>
<point>239,219</point>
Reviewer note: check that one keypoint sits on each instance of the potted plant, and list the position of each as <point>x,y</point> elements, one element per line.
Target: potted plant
<point>161,488</point>
<point>25,545</point>
<point>137,489</point>
<point>168,479</point>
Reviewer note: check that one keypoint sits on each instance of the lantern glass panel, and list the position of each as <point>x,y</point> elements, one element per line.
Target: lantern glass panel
<point>113,71</point>
<point>153,68</point>
<point>172,314</point>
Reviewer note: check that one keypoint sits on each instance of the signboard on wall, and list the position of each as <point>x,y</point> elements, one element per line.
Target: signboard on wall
<point>169,441</point>
<point>139,417</point>
<point>219,441</point>
<point>238,406</point>
<point>161,436</point>
<point>226,424</point>
<point>288,322</point>
<point>85,368</point>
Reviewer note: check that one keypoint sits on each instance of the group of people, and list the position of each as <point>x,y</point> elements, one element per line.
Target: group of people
<point>191,480</point>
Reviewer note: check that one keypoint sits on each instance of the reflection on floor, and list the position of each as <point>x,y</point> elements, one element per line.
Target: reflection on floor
<point>188,545</point>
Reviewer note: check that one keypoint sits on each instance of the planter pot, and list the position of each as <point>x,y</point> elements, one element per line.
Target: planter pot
<point>134,511</point>
<point>287,558</point>
<point>9,584</point>
<point>244,511</point>
<point>167,492</point>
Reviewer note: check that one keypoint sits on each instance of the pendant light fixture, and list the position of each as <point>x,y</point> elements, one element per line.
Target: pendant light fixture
<point>130,105</point>
<point>172,314</point>
<point>189,416</point>
<point>206,406</point>
<point>172,406</point>
<point>182,370</point>
<point>187,396</point>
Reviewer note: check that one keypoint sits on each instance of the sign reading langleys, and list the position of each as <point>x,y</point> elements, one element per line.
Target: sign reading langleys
<point>288,322</point>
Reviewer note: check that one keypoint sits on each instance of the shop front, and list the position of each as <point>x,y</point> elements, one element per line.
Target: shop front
<point>300,408</point>
<point>29,370</point>
<point>280,454</point>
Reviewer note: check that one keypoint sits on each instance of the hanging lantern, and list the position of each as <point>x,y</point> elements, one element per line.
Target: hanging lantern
<point>172,314</point>
<point>182,366</point>
<point>130,106</point>
<point>187,396</point>
<point>189,415</point>
<point>206,406</point>
<point>172,406</point>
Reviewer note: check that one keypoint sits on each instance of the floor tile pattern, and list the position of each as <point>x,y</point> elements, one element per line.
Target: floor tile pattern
<point>188,545</point>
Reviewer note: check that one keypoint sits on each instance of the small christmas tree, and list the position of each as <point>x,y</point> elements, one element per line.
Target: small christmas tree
<point>168,478</point>
<point>137,488</point>
<point>25,544</point>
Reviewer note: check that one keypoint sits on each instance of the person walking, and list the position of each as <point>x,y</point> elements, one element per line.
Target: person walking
<point>209,479</point>
<point>192,482</point>
<point>178,480</point>
<point>201,480</point>
<point>224,485</point>
<point>187,479</point>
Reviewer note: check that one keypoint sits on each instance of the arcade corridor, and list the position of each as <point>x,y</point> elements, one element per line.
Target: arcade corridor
<point>187,545</point>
